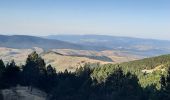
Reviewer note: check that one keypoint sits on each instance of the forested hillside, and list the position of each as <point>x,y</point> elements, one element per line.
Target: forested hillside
<point>125,81</point>
<point>148,70</point>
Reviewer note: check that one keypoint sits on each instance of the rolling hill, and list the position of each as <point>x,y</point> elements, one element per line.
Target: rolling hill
<point>63,59</point>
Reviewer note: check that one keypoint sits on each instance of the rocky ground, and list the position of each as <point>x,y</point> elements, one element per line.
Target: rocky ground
<point>23,93</point>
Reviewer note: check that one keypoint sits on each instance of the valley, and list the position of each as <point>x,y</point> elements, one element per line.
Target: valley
<point>72,58</point>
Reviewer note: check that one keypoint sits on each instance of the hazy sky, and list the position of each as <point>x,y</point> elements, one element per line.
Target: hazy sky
<point>137,18</point>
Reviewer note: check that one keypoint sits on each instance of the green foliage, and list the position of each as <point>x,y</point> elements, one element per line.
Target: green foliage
<point>123,87</point>
<point>165,87</point>
<point>136,67</point>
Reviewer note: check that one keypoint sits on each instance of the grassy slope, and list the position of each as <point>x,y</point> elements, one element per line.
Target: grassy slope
<point>63,59</point>
<point>61,62</point>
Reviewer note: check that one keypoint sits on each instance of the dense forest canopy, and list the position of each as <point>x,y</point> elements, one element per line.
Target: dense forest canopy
<point>124,81</point>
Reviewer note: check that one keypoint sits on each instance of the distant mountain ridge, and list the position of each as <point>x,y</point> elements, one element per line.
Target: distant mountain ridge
<point>147,47</point>
<point>24,41</point>
<point>116,41</point>
<point>134,46</point>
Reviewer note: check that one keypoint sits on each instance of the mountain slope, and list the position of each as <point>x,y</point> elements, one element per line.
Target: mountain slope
<point>139,65</point>
<point>148,70</point>
<point>23,41</point>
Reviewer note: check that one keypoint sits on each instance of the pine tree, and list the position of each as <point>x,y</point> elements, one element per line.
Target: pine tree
<point>11,75</point>
<point>34,69</point>
<point>165,87</point>
<point>120,86</point>
<point>2,67</point>
<point>50,70</point>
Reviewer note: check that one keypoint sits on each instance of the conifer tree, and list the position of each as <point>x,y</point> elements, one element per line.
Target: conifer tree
<point>2,67</point>
<point>34,69</point>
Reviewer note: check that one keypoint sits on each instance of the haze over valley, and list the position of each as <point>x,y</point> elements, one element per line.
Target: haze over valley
<point>77,50</point>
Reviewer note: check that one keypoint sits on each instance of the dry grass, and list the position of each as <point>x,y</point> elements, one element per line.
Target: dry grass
<point>61,62</point>
<point>65,61</point>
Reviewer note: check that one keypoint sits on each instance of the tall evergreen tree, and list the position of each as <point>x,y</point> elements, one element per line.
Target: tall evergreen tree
<point>34,69</point>
<point>11,75</point>
<point>2,67</point>
<point>50,70</point>
<point>165,87</point>
<point>120,86</point>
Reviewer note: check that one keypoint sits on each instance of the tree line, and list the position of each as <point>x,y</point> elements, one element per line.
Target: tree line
<point>79,85</point>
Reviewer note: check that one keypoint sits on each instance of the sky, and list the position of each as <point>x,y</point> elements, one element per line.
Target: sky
<point>133,18</point>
